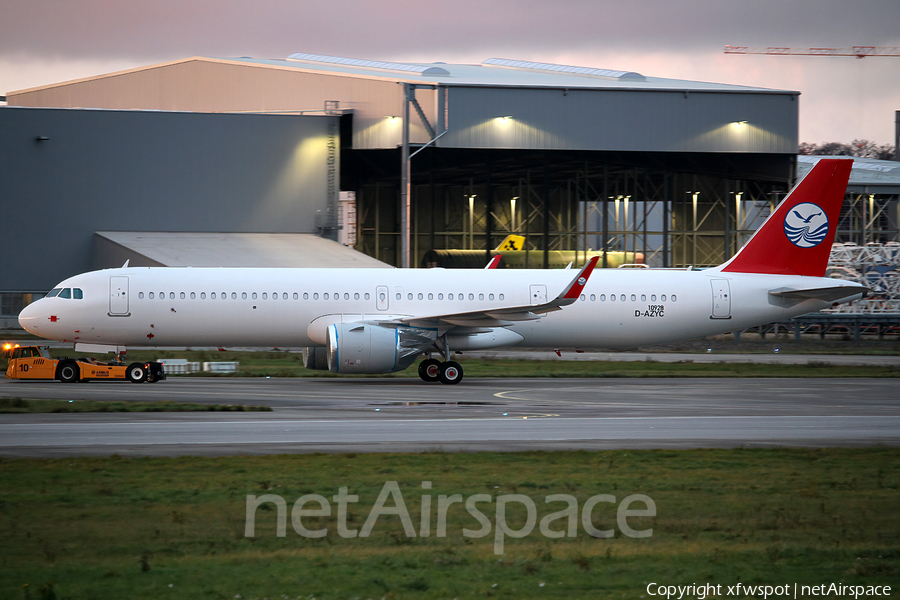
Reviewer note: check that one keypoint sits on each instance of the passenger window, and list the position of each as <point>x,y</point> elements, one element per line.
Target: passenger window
<point>430,296</point>
<point>366,296</point>
<point>265,296</point>
<point>172,295</point>
<point>481,296</point>
<point>243,295</point>
<point>409,296</point>
<point>212,296</point>
<point>193,296</point>
<point>653,298</point>
<point>420,296</point>
<point>440,296</point>
<point>663,297</point>
<point>633,298</point>
<point>602,297</point>
<point>490,296</point>
<point>612,297</point>
<point>203,295</point>
<point>673,298</point>
<point>296,296</point>
<point>141,295</point>
<point>622,297</point>
<point>581,297</point>
<point>449,296</point>
<point>182,295</point>
<point>356,296</point>
<point>501,296</point>
<point>253,296</point>
<point>66,293</point>
<point>593,297</point>
<point>77,294</point>
<point>234,295</point>
<point>346,296</point>
<point>316,296</point>
<point>398,295</point>
<point>325,296</point>
<point>471,296</point>
<point>643,297</point>
<point>53,293</point>
<point>306,295</point>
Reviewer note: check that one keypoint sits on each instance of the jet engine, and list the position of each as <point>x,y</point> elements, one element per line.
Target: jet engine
<point>314,358</point>
<point>367,348</point>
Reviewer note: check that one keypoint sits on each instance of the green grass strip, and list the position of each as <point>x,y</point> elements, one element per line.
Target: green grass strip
<point>175,527</point>
<point>21,405</point>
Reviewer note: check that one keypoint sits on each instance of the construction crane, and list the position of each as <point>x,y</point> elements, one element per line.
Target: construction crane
<point>855,51</point>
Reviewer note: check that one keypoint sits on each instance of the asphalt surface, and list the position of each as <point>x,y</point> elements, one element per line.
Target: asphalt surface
<point>406,415</point>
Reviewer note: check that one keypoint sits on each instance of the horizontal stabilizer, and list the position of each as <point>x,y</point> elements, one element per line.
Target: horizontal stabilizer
<point>826,294</point>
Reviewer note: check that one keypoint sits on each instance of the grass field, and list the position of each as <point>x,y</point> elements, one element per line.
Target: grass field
<point>175,527</point>
<point>290,364</point>
<point>21,405</point>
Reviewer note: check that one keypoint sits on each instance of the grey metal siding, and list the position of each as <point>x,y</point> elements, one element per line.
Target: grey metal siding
<point>148,171</point>
<point>622,120</point>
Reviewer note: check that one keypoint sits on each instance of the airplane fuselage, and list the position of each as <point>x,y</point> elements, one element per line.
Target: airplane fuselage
<point>619,308</point>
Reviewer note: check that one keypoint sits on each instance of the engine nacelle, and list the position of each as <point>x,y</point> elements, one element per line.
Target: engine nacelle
<point>369,349</point>
<point>315,358</point>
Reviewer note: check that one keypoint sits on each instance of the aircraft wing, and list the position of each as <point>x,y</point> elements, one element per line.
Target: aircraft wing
<point>507,315</point>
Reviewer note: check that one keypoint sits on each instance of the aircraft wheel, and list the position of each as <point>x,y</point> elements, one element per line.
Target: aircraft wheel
<point>136,373</point>
<point>430,370</point>
<point>68,371</point>
<point>451,372</point>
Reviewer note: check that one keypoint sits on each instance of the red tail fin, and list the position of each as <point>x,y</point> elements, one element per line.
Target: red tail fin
<point>796,239</point>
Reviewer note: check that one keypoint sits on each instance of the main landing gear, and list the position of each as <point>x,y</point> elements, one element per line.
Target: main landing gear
<point>448,371</point>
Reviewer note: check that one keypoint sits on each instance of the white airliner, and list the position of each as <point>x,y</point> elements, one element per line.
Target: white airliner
<point>380,321</point>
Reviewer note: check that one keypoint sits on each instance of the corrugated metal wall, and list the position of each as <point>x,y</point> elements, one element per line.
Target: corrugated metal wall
<point>150,171</point>
<point>208,85</point>
<point>622,120</point>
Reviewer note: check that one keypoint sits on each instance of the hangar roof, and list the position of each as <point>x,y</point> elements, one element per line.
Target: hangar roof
<point>158,248</point>
<point>868,175</point>
<point>494,72</point>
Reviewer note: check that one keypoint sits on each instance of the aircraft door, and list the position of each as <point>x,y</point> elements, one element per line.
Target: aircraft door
<point>118,296</point>
<point>382,300</point>
<point>538,294</point>
<point>721,299</point>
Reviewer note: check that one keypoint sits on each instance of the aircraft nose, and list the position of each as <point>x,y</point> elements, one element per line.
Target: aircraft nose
<point>29,317</point>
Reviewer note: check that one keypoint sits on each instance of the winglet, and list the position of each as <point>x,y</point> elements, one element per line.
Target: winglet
<point>572,292</point>
<point>494,262</point>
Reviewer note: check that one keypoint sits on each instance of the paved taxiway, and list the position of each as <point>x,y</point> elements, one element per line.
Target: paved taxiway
<point>389,414</point>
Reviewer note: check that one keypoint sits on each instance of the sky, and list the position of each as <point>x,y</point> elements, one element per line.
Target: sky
<point>49,41</point>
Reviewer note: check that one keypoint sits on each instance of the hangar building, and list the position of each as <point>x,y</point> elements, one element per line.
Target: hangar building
<point>571,158</point>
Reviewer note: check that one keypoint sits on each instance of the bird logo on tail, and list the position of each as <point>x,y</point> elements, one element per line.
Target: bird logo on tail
<point>806,225</point>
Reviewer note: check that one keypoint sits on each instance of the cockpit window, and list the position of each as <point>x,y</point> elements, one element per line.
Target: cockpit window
<point>53,293</point>
<point>66,293</point>
<point>77,294</point>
